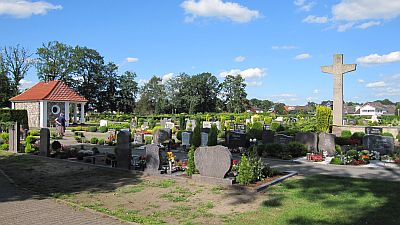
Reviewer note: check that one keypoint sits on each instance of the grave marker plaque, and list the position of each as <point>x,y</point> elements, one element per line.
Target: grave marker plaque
<point>153,159</point>
<point>186,138</point>
<point>204,139</point>
<point>382,144</point>
<point>373,130</point>
<point>326,143</point>
<point>123,151</point>
<point>283,139</point>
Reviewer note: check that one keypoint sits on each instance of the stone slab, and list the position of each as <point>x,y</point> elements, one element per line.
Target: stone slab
<point>268,136</point>
<point>213,161</point>
<point>153,159</point>
<point>382,144</point>
<point>283,139</point>
<point>44,147</point>
<point>212,180</point>
<point>326,142</point>
<point>123,151</point>
<point>309,139</point>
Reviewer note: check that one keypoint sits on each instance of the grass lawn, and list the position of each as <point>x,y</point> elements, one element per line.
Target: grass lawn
<point>153,200</point>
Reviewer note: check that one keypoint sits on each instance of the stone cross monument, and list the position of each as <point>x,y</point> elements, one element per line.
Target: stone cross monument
<point>338,69</point>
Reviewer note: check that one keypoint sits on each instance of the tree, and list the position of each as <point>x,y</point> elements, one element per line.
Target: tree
<point>196,139</point>
<point>18,62</point>
<point>128,91</point>
<point>385,102</point>
<point>279,108</point>
<point>213,135</point>
<point>153,97</point>
<point>5,86</point>
<point>234,94</point>
<point>107,99</point>
<point>324,118</point>
<point>55,62</point>
<point>206,87</point>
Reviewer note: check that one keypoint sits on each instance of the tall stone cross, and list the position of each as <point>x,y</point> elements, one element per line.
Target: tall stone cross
<point>338,69</point>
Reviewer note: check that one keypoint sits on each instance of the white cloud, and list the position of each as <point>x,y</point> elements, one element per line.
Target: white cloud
<point>302,56</point>
<point>240,59</point>
<point>344,27</point>
<point>369,24</point>
<point>131,59</point>
<point>24,84</point>
<point>167,77</point>
<point>310,99</point>
<point>377,84</point>
<point>380,59</point>
<point>355,10</point>
<point>303,5</point>
<point>316,91</point>
<point>315,19</point>
<point>246,74</point>
<point>26,8</point>
<point>284,97</point>
<point>218,8</point>
<point>283,47</point>
<point>143,82</point>
<point>360,81</point>
<point>254,83</point>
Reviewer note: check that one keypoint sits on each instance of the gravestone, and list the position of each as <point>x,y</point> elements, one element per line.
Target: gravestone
<point>103,123</point>
<point>138,138</point>
<point>213,161</point>
<point>235,139</point>
<point>161,135</point>
<point>352,122</point>
<point>44,148</point>
<point>14,138</point>
<point>123,151</point>
<point>267,126</point>
<point>338,69</point>
<point>373,130</point>
<point>326,142</point>
<point>186,138</point>
<point>240,127</point>
<point>268,136</point>
<point>204,139</point>
<point>153,159</point>
<point>218,124</point>
<point>308,139</point>
<point>163,123</point>
<point>169,125</point>
<point>382,144</point>
<point>283,139</point>
<point>207,124</point>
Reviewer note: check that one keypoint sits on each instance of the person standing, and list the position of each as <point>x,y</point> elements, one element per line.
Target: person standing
<point>60,121</point>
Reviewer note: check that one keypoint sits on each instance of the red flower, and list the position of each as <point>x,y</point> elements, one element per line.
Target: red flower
<point>234,162</point>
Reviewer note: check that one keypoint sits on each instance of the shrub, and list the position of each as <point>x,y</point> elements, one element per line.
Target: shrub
<point>274,126</point>
<point>147,140</point>
<point>387,134</point>
<point>191,167</point>
<point>245,173</point>
<point>4,147</point>
<point>103,129</point>
<point>336,161</point>
<point>398,137</point>
<point>255,131</point>
<point>14,115</point>
<point>182,122</point>
<point>30,139</point>
<point>270,172</point>
<point>352,154</point>
<point>342,141</point>
<point>179,135</point>
<point>274,150</point>
<point>346,134</point>
<point>94,140</point>
<point>29,148</point>
<point>196,138</point>
<point>324,118</point>
<point>101,141</point>
<point>78,139</point>
<point>92,129</point>
<point>213,136</point>
<point>358,136</point>
<point>296,149</point>
<point>4,137</point>
<point>280,128</point>
<point>34,132</point>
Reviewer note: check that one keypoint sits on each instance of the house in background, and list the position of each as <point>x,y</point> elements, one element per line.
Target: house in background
<point>255,110</point>
<point>46,100</point>
<point>375,109</point>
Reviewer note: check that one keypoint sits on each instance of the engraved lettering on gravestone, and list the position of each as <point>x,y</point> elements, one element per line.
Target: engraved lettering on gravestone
<point>373,130</point>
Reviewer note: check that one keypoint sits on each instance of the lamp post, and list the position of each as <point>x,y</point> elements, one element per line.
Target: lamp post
<point>253,142</point>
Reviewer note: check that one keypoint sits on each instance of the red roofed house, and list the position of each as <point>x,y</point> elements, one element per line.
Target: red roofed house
<point>46,100</point>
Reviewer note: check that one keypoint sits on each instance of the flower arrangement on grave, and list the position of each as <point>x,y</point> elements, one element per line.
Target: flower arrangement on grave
<point>235,167</point>
<point>374,155</point>
<point>170,156</point>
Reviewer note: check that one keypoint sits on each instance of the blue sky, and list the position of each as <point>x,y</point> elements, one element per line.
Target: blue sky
<point>277,46</point>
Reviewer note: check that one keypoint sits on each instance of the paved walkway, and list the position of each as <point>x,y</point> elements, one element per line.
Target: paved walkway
<point>22,208</point>
<point>310,168</point>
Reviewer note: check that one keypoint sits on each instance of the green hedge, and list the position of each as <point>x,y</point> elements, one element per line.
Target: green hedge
<point>14,115</point>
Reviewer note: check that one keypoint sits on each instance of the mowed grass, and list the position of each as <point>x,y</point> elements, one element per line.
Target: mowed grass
<point>327,200</point>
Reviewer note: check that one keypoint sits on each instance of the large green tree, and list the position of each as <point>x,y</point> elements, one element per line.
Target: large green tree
<point>234,94</point>
<point>5,86</point>
<point>55,62</point>
<point>17,60</point>
<point>108,92</point>
<point>153,97</point>
<point>128,91</point>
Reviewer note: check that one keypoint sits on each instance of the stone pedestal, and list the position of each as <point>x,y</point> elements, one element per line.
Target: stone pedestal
<point>123,151</point>
<point>44,148</point>
<point>14,138</point>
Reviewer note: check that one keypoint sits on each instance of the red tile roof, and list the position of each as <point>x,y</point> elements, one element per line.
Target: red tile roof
<point>52,91</point>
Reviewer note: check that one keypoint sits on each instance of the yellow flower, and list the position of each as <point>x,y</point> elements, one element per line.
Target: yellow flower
<point>170,156</point>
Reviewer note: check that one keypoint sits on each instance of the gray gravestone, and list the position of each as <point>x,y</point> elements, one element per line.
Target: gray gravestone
<point>204,139</point>
<point>44,148</point>
<point>235,139</point>
<point>186,138</point>
<point>309,139</point>
<point>161,135</point>
<point>153,159</point>
<point>213,161</point>
<point>283,139</point>
<point>381,144</point>
<point>207,124</point>
<point>373,130</point>
<point>268,136</point>
<point>326,143</point>
<point>169,125</point>
<point>14,138</point>
<point>163,122</point>
<point>123,151</point>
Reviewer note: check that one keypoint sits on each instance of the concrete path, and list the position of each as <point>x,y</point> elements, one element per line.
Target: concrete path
<point>310,168</point>
<point>22,208</point>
